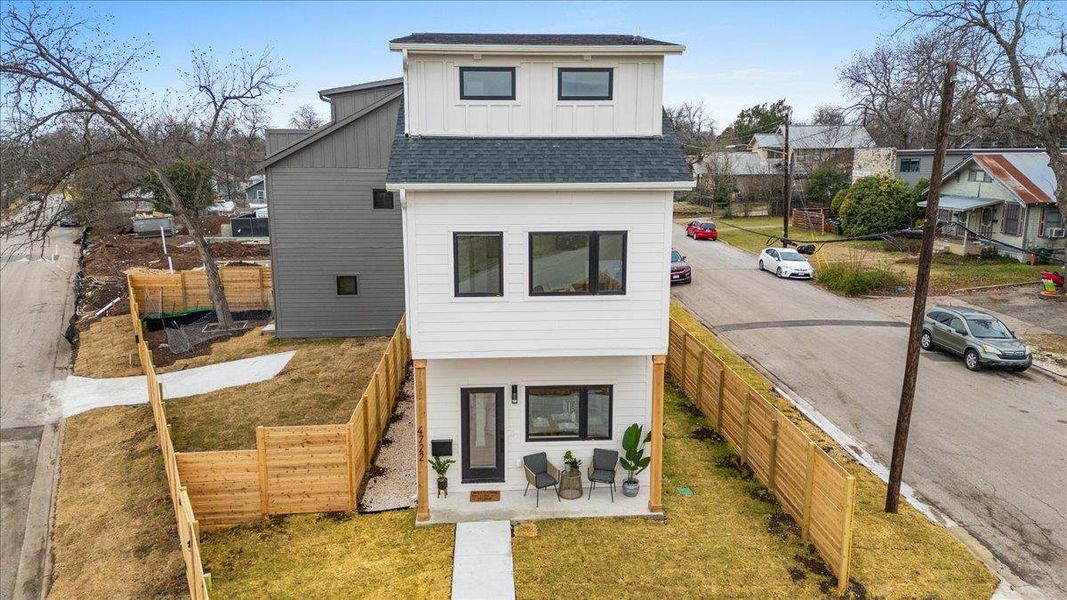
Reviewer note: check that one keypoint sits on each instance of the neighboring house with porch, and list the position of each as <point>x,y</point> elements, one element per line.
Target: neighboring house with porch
<point>1003,196</point>
<point>335,234</point>
<point>536,177</point>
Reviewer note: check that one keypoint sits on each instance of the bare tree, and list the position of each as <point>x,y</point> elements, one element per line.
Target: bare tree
<point>828,115</point>
<point>306,117</point>
<point>694,129</point>
<point>60,75</point>
<point>1018,63</point>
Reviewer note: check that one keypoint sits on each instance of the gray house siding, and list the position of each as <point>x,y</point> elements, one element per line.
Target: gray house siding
<point>323,225</point>
<point>251,191</point>
<point>344,104</point>
<point>926,165</point>
<point>282,138</point>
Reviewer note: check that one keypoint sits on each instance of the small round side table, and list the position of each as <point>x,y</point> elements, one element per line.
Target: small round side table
<point>570,485</point>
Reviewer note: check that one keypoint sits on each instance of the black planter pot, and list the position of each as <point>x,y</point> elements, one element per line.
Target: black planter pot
<point>442,483</point>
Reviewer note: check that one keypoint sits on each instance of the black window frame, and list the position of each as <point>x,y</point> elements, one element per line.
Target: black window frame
<point>355,280</point>
<point>583,413</point>
<point>455,264</point>
<point>559,83</point>
<point>374,199</point>
<point>911,162</point>
<point>463,96</point>
<point>594,263</point>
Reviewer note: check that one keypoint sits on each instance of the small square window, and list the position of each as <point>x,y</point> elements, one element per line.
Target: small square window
<point>347,285</point>
<point>383,199</point>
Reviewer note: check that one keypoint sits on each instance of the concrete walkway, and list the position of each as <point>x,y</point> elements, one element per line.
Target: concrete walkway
<point>482,567</point>
<point>79,394</point>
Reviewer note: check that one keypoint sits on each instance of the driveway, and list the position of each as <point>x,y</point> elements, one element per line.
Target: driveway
<point>35,302</point>
<point>989,449</point>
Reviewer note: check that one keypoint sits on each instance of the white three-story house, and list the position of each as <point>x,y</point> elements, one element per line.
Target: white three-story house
<point>536,176</point>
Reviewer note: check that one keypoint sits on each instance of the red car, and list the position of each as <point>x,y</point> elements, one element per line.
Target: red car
<point>702,230</point>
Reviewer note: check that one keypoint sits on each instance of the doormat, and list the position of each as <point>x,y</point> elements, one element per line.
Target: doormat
<point>485,496</point>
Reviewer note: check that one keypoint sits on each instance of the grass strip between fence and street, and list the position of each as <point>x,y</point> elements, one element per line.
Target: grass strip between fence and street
<point>810,485</point>
<point>312,468</point>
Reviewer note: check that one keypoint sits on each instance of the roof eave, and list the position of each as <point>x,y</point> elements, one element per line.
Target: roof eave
<point>439,48</point>
<point>677,186</point>
<point>369,85</point>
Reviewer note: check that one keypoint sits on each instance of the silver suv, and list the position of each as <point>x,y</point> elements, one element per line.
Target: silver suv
<point>981,339</point>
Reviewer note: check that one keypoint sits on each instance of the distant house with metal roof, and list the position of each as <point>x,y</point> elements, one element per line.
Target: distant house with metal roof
<point>335,233</point>
<point>753,177</point>
<point>1004,199</point>
<point>811,145</point>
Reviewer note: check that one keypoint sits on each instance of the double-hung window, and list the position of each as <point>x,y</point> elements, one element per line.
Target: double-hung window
<point>575,263</point>
<point>568,412</point>
<point>1013,219</point>
<point>478,263</point>
<point>585,84</point>
<point>487,83</point>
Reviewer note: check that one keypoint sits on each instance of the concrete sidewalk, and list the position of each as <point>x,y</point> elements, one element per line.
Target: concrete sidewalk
<point>482,565</point>
<point>79,394</point>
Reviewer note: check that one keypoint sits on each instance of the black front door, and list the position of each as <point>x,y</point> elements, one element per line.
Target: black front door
<point>482,411</point>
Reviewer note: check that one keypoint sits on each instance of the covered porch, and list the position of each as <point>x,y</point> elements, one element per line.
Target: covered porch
<point>460,507</point>
<point>962,215</point>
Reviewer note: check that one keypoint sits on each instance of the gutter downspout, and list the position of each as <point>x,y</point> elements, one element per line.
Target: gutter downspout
<point>404,69</point>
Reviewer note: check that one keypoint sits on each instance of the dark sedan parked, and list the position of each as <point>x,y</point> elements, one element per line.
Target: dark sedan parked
<point>681,272</point>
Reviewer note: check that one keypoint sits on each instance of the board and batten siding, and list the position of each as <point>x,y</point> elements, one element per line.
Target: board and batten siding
<point>434,106</point>
<point>347,103</point>
<point>323,224</point>
<point>283,138</point>
<point>520,325</point>
<point>630,376</point>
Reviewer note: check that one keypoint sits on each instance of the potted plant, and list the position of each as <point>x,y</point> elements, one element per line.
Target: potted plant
<point>634,459</point>
<point>440,466</point>
<point>571,462</point>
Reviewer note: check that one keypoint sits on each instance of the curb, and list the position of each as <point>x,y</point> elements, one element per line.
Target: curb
<point>35,560</point>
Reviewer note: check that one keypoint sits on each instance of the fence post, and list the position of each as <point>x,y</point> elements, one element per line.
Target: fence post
<point>685,357</point>
<point>718,408</point>
<point>846,536</point>
<point>185,299</point>
<point>700,381</point>
<point>772,470</point>
<point>368,444</point>
<point>261,459</point>
<point>745,411</point>
<point>381,394</point>
<point>350,430</point>
<point>809,482</point>
<point>387,362</point>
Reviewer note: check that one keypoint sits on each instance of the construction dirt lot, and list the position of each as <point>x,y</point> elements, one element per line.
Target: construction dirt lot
<point>106,260</point>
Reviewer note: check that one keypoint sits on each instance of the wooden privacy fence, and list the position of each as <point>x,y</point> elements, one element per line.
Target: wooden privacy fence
<point>812,487</point>
<point>188,526</point>
<point>814,219</point>
<point>314,468</point>
<point>246,287</point>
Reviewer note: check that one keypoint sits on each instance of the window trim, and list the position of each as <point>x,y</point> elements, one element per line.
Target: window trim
<point>374,193</point>
<point>1019,220</point>
<point>337,283</point>
<point>455,265</point>
<point>559,83</point>
<point>583,412</point>
<point>911,162</point>
<point>463,96</point>
<point>594,263</point>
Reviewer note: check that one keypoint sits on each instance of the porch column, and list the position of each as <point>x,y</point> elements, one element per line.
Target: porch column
<point>422,513</point>
<point>655,485</point>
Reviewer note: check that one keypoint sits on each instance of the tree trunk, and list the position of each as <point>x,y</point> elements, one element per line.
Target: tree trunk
<point>214,280</point>
<point>1058,164</point>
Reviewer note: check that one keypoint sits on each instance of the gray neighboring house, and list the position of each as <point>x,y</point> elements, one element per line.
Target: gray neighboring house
<point>256,189</point>
<point>336,245</point>
<point>913,165</point>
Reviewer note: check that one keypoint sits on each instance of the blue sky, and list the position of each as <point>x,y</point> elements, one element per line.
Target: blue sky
<point>739,54</point>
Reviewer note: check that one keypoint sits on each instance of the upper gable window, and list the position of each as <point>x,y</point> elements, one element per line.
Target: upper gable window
<point>978,175</point>
<point>487,83</point>
<point>585,84</point>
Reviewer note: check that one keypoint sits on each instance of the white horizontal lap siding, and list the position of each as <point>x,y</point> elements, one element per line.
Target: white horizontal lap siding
<point>435,107</point>
<point>629,376</point>
<point>518,324</point>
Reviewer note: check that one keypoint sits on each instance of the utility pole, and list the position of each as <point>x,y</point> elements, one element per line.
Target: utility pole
<point>787,195</point>
<point>922,285</point>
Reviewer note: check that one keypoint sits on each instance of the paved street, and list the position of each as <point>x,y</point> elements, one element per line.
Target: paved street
<point>35,302</point>
<point>988,449</point>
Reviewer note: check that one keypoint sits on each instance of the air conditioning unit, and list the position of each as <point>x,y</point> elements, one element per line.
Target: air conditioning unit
<point>1057,232</point>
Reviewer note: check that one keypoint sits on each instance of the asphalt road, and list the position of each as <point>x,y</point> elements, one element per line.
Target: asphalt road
<point>988,449</point>
<point>35,297</point>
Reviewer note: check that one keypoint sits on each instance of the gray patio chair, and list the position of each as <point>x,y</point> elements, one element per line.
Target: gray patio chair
<point>540,473</point>
<point>602,470</point>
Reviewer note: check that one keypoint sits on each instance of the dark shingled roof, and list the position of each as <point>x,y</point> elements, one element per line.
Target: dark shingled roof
<point>535,160</point>
<point>529,39</point>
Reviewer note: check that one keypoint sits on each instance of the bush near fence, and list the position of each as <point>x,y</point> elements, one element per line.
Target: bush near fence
<point>246,288</point>
<point>315,468</point>
<point>812,487</point>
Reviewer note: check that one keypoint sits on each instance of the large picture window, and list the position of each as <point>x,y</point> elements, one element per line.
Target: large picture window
<point>585,84</point>
<point>487,83</point>
<point>571,263</point>
<point>568,412</point>
<point>478,263</point>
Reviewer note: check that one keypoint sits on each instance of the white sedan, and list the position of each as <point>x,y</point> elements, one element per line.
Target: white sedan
<point>786,263</point>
